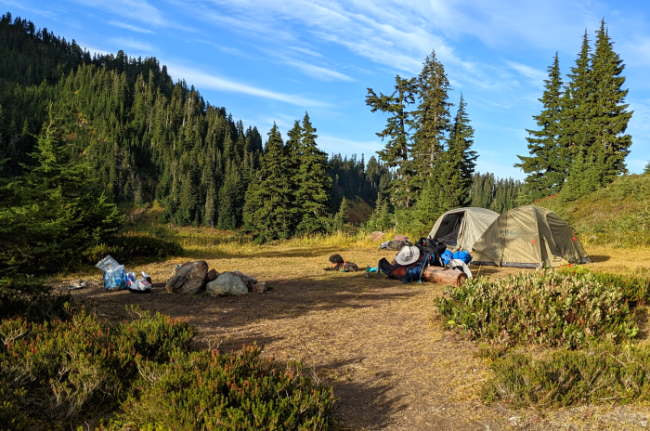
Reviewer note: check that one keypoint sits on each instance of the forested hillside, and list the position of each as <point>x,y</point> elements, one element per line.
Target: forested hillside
<point>145,137</point>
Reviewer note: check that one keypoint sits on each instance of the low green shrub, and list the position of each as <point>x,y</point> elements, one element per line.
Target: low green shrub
<point>142,374</point>
<point>604,373</point>
<point>59,373</point>
<point>211,391</point>
<point>125,248</point>
<point>635,288</point>
<point>547,307</point>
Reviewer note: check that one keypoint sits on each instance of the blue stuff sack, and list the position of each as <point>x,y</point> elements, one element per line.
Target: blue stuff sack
<point>115,278</point>
<point>463,255</point>
<point>446,257</point>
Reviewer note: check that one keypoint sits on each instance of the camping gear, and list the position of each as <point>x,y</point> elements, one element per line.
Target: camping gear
<point>114,273</point>
<point>446,257</point>
<point>432,247</point>
<point>139,285</point>
<point>460,228</point>
<point>462,255</point>
<point>393,244</point>
<point>443,275</point>
<point>529,237</point>
<point>461,266</point>
<point>407,255</point>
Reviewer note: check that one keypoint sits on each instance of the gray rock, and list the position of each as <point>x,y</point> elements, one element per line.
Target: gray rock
<point>189,278</point>
<point>228,283</point>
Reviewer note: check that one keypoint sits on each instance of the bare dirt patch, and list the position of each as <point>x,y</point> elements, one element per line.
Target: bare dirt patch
<point>377,342</point>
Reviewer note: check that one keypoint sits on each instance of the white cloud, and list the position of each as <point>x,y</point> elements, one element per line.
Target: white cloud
<point>137,10</point>
<point>130,27</point>
<point>135,45</point>
<point>206,80</point>
<point>318,72</point>
<point>535,76</point>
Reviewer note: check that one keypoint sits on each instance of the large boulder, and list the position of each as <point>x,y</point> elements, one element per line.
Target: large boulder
<point>228,283</point>
<point>189,278</point>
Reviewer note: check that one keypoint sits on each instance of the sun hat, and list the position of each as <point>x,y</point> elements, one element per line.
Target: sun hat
<point>407,255</point>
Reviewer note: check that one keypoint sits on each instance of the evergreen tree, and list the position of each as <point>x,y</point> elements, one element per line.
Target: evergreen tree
<point>646,170</point>
<point>457,162</point>
<point>546,164</point>
<point>396,133</point>
<point>54,213</point>
<point>267,209</point>
<point>611,114</point>
<point>313,183</point>
<point>230,195</point>
<point>431,121</point>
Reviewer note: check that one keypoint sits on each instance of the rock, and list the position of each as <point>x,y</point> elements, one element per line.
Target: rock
<point>188,278</point>
<point>376,235</point>
<point>227,283</point>
<point>259,287</point>
<point>212,275</point>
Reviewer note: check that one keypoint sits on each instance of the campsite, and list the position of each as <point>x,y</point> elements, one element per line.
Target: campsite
<point>337,215</point>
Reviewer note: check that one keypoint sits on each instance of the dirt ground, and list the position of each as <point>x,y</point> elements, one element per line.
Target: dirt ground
<point>377,342</point>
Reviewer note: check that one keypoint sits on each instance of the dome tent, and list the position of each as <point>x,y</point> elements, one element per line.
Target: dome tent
<point>529,236</point>
<point>461,227</point>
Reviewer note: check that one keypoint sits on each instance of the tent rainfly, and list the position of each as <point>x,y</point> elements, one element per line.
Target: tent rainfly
<point>529,236</point>
<point>461,227</point>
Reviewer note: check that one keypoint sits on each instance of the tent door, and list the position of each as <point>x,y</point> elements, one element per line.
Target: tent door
<point>449,229</point>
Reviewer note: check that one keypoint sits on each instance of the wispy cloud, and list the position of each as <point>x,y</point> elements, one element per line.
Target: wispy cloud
<point>136,45</point>
<point>137,10</point>
<point>318,72</point>
<point>215,82</point>
<point>535,76</point>
<point>130,27</point>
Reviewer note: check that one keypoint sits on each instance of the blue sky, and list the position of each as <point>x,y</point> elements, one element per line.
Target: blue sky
<point>271,60</point>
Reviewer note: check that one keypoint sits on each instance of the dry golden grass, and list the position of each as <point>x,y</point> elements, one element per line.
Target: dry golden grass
<point>377,341</point>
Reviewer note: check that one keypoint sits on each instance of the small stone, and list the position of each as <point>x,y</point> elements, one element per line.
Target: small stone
<point>259,287</point>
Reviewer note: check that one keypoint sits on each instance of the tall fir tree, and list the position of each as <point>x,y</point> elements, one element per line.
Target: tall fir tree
<point>396,134</point>
<point>431,121</point>
<point>458,162</point>
<point>546,165</point>
<point>267,208</point>
<point>611,115</point>
<point>311,195</point>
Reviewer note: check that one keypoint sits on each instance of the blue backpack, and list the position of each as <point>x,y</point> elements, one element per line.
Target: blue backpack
<point>446,256</point>
<point>462,255</point>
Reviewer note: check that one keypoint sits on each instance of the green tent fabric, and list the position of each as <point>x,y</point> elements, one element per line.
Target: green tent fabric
<point>529,236</point>
<point>461,227</point>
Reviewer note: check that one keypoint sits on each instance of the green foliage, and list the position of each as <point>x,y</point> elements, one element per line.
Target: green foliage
<point>60,373</point>
<point>54,212</point>
<point>312,183</point>
<point>580,144</point>
<point>616,215</point>
<point>546,165</point>
<point>603,373</point>
<point>207,390</point>
<point>549,308</point>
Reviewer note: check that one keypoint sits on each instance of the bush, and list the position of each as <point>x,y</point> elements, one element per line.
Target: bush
<point>59,373</point>
<point>125,248</point>
<point>64,373</point>
<point>210,391</point>
<point>603,374</point>
<point>550,308</point>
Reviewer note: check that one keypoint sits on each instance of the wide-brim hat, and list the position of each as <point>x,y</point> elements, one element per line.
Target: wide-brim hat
<point>407,255</point>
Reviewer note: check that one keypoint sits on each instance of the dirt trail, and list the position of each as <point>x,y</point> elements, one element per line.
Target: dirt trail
<point>377,341</point>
